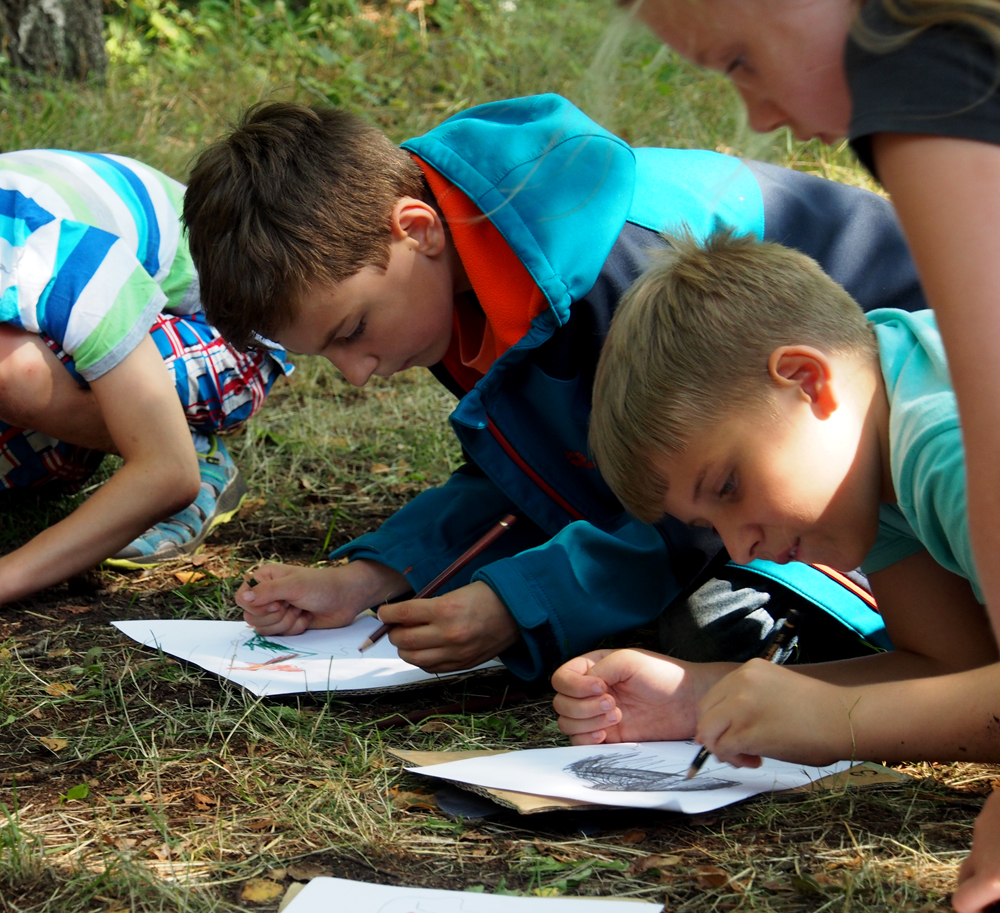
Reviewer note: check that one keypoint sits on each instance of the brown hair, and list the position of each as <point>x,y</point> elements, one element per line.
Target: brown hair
<point>291,196</point>
<point>690,343</point>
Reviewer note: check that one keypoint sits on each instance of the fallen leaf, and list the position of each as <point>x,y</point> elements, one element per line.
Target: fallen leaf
<point>53,743</point>
<point>306,871</point>
<point>5,654</point>
<point>434,726</point>
<point>76,609</point>
<point>188,576</point>
<point>58,689</point>
<point>55,654</point>
<point>199,560</point>
<point>378,468</point>
<point>633,836</point>
<point>653,862</point>
<point>203,802</point>
<point>261,890</point>
<point>711,876</point>
<point>277,874</point>
<point>261,824</point>
<point>404,799</point>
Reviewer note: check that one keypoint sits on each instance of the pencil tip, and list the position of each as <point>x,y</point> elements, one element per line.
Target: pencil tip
<point>692,770</point>
<point>368,643</point>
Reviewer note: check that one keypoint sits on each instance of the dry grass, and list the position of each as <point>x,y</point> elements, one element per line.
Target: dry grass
<point>194,787</point>
<point>166,789</point>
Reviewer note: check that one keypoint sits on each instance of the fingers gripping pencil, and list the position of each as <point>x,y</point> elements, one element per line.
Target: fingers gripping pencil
<point>770,650</point>
<point>491,536</point>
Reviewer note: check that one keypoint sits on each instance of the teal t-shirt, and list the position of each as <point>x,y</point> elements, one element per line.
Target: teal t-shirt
<point>927,459</point>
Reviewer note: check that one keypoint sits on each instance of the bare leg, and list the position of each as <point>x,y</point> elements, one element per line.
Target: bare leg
<point>37,392</point>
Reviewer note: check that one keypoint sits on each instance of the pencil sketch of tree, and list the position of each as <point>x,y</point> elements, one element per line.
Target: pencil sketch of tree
<point>626,773</point>
<point>54,37</point>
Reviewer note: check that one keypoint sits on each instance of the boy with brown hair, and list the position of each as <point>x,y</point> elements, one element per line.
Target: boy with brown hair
<point>766,407</point>
<point>494,250</point>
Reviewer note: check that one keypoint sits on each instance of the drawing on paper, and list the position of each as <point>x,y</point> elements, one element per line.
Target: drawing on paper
<point>634,773</point>
<point>256,642</point>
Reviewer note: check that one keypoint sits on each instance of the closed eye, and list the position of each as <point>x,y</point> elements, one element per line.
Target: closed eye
<point>359,331</point>
<point>735,64</point>
<point>729,486</point>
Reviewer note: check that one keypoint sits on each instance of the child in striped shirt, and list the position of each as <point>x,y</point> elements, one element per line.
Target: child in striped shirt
<point>104,349</point>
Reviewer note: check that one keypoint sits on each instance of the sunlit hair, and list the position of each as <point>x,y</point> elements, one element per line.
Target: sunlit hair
<point>920,15</point>
<point>689,347</point>
<point>292,196</point>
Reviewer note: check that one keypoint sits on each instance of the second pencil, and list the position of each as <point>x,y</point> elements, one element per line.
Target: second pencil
<point>487,540</point>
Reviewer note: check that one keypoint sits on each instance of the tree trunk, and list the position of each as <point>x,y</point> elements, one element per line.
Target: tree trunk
<point>54,37</point>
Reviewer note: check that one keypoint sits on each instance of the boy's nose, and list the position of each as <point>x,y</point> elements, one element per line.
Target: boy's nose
<point>357,371</point>
<point>740,543</point>
<point>763,116</point>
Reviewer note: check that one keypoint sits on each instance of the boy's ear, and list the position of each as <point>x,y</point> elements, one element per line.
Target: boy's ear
<point>808,372</point>
<point>420,222</point>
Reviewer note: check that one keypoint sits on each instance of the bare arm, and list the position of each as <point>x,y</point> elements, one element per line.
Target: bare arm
<point>947,194</point>
<point>160,476</point>
<point>935,696</point>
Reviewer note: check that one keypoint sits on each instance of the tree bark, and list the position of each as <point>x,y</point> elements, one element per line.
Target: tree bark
<point>54,37</point>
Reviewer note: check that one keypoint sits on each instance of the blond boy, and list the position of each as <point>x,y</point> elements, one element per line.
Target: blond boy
<point>766,406</point>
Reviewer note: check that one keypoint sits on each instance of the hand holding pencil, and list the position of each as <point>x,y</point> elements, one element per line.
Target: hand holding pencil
<point>455,631</point>
<point>763,709</point>
<point>772,650</point>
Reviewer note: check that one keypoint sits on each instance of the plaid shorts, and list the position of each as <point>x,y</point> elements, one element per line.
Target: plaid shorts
<point>218,386</point>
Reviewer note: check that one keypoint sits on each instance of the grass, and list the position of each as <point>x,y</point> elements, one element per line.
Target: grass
<point>131,782</point>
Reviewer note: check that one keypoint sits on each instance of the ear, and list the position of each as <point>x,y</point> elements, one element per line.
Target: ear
<point>417,221</point>
<point>807,372</point>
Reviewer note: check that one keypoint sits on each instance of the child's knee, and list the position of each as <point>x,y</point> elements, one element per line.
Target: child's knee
<point>26,376</point>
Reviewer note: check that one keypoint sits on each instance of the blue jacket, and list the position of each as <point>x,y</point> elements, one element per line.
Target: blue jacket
<point>581,210</point>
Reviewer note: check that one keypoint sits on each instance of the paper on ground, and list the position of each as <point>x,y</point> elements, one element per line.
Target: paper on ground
<point>633,775</point>
<point>323,895</point>
<point>326,660</point>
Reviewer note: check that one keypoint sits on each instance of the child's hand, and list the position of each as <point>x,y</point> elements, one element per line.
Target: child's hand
<point>767,710</point>
<point>289,600</point>
<point>630,696</point>
<point>459,630</point>
<point>979,876</point>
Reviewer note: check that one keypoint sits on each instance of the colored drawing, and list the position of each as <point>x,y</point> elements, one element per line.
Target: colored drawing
<point>316,661</point>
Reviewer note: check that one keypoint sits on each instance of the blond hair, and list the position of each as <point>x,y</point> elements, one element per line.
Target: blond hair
<point>689,346</point>
<point>920,15</point>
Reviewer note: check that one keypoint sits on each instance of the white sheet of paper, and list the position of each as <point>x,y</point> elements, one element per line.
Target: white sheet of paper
<point>323,895</point>
<point>634,775</point>
<point>326,660</point>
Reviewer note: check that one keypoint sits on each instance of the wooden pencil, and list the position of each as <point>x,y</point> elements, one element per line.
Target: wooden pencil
<point>491,536</point>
